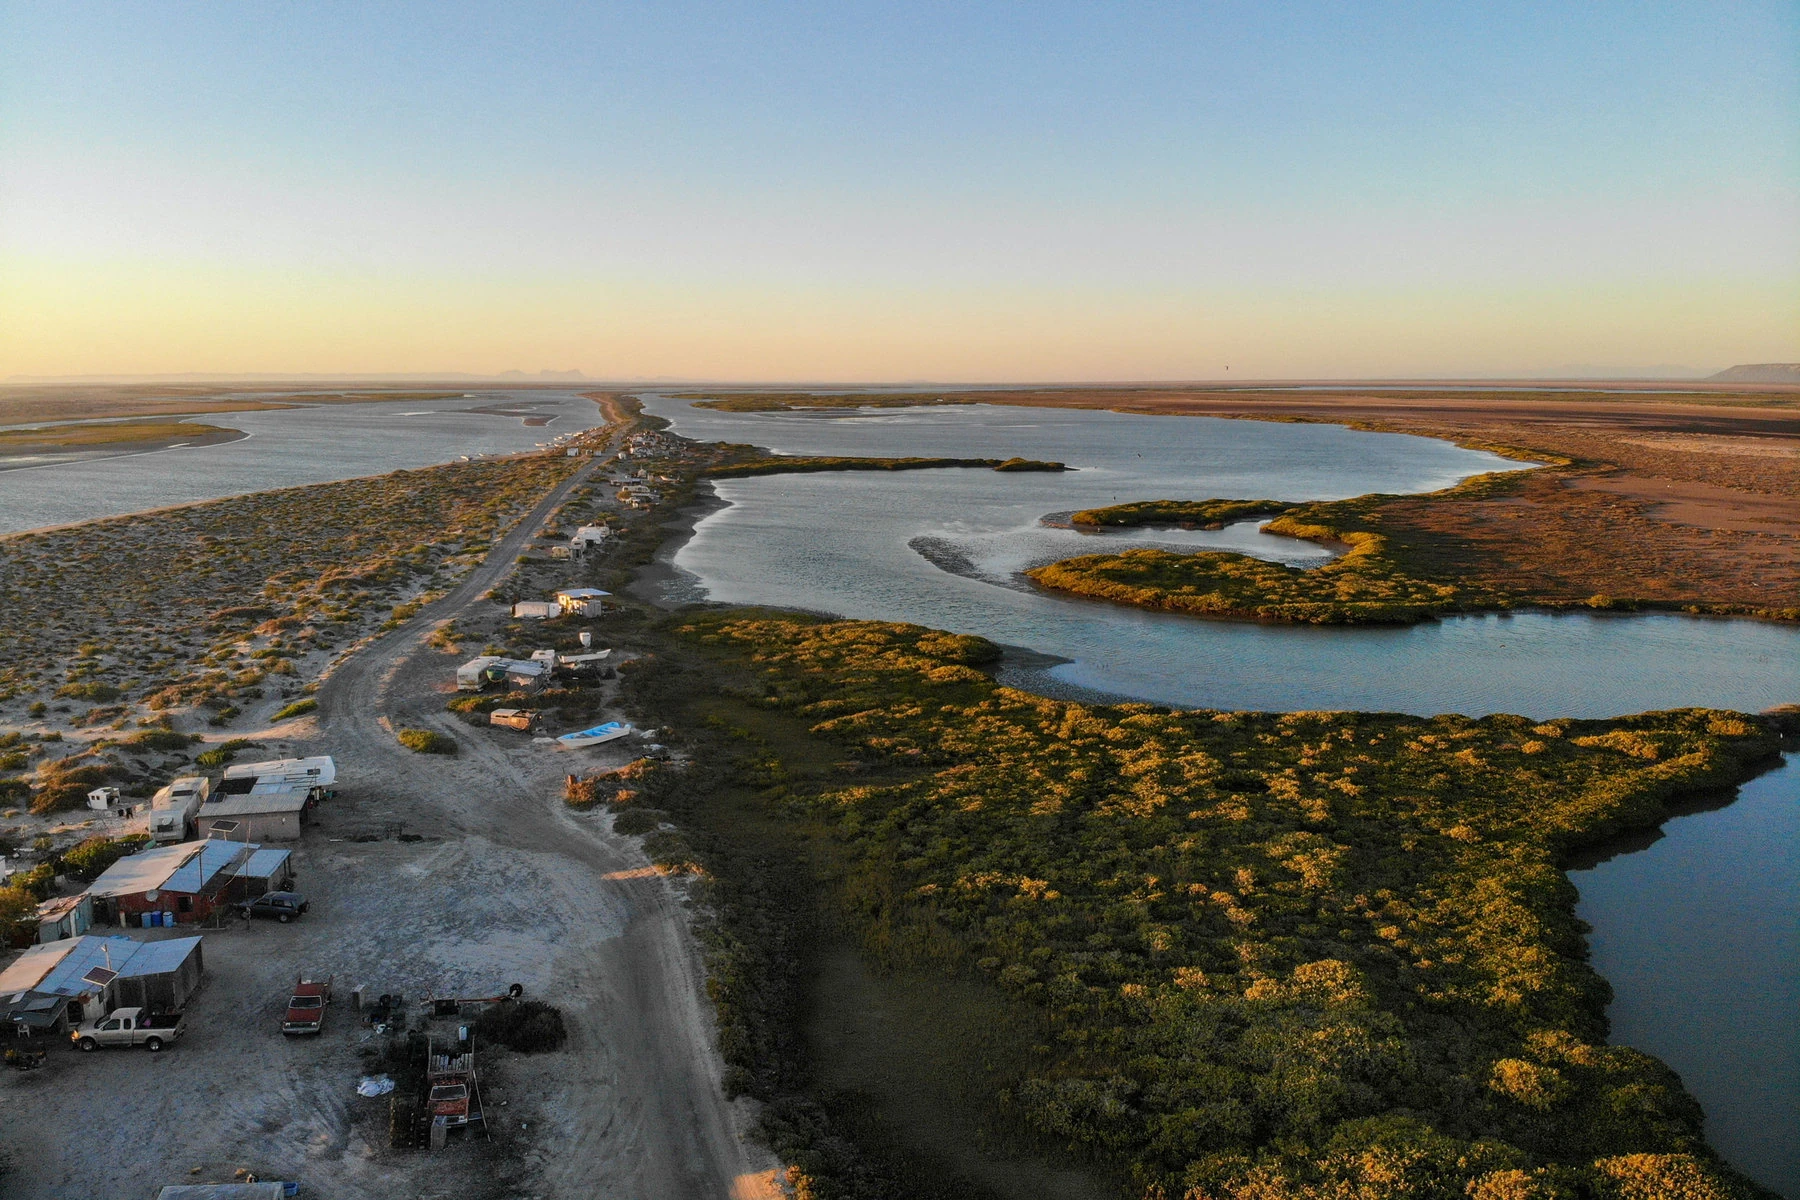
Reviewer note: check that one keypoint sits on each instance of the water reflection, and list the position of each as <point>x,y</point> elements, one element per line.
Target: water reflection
<point>1699,934</point>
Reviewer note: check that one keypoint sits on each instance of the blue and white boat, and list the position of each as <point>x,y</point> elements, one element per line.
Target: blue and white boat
<point>612,731</point>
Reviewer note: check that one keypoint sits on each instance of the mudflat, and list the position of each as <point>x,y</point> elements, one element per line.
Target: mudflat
<point>1677,499</point>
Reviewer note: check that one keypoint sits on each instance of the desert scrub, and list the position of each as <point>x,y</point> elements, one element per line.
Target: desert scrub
<point>1276,955</point>
<point>298,708</point>
<point>427,741</point>
<point>305,567</point>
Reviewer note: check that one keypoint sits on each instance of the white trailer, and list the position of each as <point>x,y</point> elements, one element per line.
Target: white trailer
<point>173,808</point>
<point>472,675</point>
<point>318,771</point>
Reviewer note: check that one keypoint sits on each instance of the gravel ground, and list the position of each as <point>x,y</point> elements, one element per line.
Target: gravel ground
<point>507,885</point>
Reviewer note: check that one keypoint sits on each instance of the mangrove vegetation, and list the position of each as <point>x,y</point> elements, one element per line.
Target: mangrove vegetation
<point>1260,956</point>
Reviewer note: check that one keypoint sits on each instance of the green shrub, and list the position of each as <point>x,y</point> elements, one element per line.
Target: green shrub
<point>297,708</point>
<point>100,692</point>
<point>427,741</point>
<point>162,739</point>
<point>87,860</point>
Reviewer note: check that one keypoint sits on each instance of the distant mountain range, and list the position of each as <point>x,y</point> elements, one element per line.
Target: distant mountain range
<point>1758,373</point>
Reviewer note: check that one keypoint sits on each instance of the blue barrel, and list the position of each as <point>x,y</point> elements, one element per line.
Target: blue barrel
<point>148,918</point>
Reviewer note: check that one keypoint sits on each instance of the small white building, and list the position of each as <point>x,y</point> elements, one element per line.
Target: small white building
<point>586,602</point>
<point>536,610</point>
<point>590,535</point>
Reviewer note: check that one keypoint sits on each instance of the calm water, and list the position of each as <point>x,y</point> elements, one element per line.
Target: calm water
<point>943,548</point>
<point>287,448</point>
<point>1697,934</point>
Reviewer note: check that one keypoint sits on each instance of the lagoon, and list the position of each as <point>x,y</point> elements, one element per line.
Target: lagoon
<point>945,548</point>
<point>1695,928</point>
<point>314,443</point>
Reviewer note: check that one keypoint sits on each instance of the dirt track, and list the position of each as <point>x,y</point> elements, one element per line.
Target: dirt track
<point>507,885</point>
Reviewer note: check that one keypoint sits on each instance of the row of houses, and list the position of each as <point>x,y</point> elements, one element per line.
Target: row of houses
<point>168,885</point>
<point>569,602</point>
<point>49,989</point>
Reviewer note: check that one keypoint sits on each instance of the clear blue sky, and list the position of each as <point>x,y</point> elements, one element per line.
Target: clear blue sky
<point>905,191</point>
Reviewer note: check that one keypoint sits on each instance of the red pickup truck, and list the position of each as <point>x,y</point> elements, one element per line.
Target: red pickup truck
<point>306,1008</point>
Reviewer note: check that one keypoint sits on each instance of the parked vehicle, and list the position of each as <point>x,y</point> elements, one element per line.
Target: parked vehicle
<point>454,1100</point>
<point>283,906</point>
<point>306,1008</point>
<point>130,1027</point>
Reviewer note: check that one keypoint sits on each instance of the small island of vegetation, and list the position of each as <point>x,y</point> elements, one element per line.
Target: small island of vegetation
<point>793,401</point>
<point>780,464</point>
<point>1394,569</point>
<point>112,437</point>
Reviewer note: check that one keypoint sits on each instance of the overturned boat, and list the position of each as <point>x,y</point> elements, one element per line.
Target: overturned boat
<point>612,731</point>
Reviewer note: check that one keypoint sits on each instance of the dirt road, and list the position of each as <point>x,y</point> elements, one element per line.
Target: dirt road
<point>506,885</point>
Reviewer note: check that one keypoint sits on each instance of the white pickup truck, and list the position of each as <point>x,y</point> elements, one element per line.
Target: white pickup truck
<point>130,1027</point>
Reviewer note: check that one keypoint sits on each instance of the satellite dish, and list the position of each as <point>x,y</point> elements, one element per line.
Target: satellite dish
<point>151,894</point>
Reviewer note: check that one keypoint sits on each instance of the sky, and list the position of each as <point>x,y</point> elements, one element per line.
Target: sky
<point>900,192</point>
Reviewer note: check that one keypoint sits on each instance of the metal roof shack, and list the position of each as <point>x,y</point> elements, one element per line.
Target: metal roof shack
<point>266,870</point>
<point>156,975</point>
<point>187,881</point>
<point>583,600</point>
<point>526,675</point>
<point>62,917</point>
<point>273,810</point>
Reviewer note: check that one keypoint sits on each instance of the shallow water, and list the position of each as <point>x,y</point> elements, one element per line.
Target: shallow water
<point>286,448</point>
<point>1699,935</point>
<point>943,548</point>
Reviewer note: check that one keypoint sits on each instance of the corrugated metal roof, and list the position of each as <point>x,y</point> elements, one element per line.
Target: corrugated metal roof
<point>198,871</point>
<point>221,1191</point>
<point>58,906</point>
<point>265,863</point>
<point>159,958</point>
<point>145,870</point>
<point>57,968</point>
<point>258,800</point>
<point>27,971</point>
